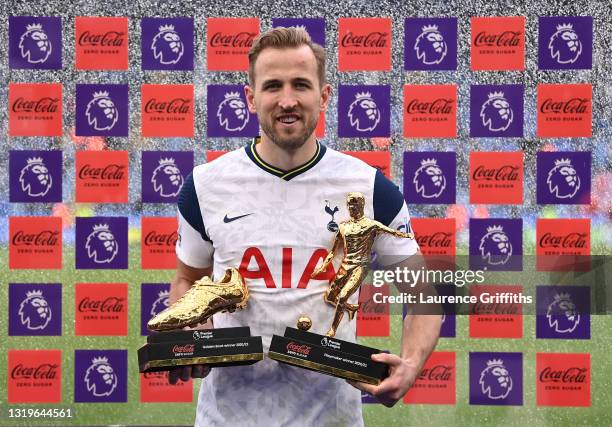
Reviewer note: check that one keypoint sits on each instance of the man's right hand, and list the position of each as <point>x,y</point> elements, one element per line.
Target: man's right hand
<point>183,373</point>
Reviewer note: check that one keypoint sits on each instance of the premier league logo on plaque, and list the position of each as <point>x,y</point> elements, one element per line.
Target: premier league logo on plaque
<point>496,378</point>
<point>101,110</point>
<point>429,177</point>
<point>100,376</point>
<point>35,309</point>
<point>430,44</point>
<point>496,111</point>
<point>101,243</point>
<point>35,42</point>
<point>228,115</point>
<point>564,177</point>
<point>496,244</point>
<point>35,176</point>
<point>565,42</point>
<point>167,43</point>
<point>364,111</point>
<point>563,312</point>
<point>163,174</point>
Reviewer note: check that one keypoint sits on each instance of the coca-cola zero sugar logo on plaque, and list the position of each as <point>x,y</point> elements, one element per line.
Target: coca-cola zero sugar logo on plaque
<point>565,42</point>
<point>100,376</point>
<point>35,42</point>
<point>102,176</point>
<point>101,42</point>
<point>498,43</point>
<point>163,175</point>
<point>35,176</point>
<point>229,41</point>
<point>430,111</point>
<point>563,177</point>
<point>496,111</point>
<point>35,309</point>
<point>496,319</point>
<point>167,43</point>
<point>565,110</point>
<point>101,242</point>
<point>430,177</point>
<point>315,27</point>
<point>496,244</point>
<point>563,379</point>
<point>436,382</point>
<point>154,298</point>
<point>563,312</point>
<point>100,309</point>
<point>496,378</point>
<point>430,44</point>
<point>35,109</point>
<point>496,177</point>
<point>364,111</point>
<point>228,113</point>
<point>101,110</point>
<point>364,44</point>
<point>167,110</point>
<point>35,242</point>
<point>34,376</point>
<point>158,242</point>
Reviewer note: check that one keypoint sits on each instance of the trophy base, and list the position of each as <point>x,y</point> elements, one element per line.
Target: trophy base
<point>330,356</point>
<point>213,347</point>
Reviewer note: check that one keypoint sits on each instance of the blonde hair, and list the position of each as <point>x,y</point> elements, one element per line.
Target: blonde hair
<point>282,38</point>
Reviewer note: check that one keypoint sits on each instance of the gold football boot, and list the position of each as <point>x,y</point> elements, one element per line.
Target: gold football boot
<point>202,300</point>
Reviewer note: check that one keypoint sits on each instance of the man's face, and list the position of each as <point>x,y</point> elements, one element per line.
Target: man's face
<point>286,95</point>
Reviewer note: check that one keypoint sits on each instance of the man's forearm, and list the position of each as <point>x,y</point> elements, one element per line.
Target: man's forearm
<point>419,337</point>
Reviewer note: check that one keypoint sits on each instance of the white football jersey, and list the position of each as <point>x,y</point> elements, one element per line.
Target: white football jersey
<point>277,226</point>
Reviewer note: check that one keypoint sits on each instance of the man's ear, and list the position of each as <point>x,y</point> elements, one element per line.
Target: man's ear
<point>325,97</point>
<point>250,98</point>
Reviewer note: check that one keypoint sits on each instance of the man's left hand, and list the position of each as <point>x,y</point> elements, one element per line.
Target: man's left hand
<point>402,374</point>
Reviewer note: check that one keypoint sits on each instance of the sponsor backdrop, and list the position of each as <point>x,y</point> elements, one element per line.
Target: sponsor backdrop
<point>493,120</point>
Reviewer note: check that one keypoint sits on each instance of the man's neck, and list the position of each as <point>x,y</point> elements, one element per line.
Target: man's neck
<point>285,159</point>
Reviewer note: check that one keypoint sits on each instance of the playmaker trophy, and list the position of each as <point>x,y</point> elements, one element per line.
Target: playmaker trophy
<point>170,346</point>
<point>324,353</point>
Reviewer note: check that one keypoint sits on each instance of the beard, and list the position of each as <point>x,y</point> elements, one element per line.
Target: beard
<point>289,142</point>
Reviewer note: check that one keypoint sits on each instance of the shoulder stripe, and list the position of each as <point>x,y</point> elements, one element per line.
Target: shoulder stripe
<point>189,207</point>
<point>388,200</point>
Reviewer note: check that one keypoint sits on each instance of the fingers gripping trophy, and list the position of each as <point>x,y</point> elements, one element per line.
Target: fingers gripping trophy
<point>356,236</point>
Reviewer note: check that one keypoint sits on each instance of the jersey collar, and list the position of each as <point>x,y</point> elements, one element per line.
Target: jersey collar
<point>285,174</point>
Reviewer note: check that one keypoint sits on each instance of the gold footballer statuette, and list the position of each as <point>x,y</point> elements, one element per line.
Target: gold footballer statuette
<point>356,237</point>
<point>202,300</point>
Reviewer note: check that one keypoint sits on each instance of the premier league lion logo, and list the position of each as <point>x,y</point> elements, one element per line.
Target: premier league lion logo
<point>495,246</point>
<point>100,378</point>
<point>495,380</point>
<point>496,113</point>
<point>161,303</point>
<point>101,244</point>
<point>562,315</point>
<point>167,45</point>
<point>429,180</point>
<point>167,179</point>
<point>232,112</point>
<point>35,178</point>
<point>34,311</point>
<point>101,112</point>
<point>563,180</point>
<point>565,46</point>
<point>430,46</point>
<point>363,112</point>
<point>34,44</point>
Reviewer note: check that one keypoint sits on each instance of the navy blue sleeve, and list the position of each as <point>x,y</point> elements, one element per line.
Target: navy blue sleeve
<point>388,200</point>
<point>189,207</point>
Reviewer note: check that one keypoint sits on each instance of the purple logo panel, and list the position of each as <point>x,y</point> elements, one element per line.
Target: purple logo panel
<point>101,243</point>
<point>167,43</point>
<point>163,175</point>
<point>496,244</point>
<point>35,42</point>
<point>364,111</point>
<point>154,298</point>
<point>496,378</point>
<point>496,111</point>
<point>563,312</point>
<point>564,177</point>
<point>314,26</point>
<point>35,309</point>
<point>228,114</point>
<point>100,376</point>
<point>35,176</point>
<point>430,44</point>
<point>565,42</point>
<point>430,177</point>
<point>101,110</point>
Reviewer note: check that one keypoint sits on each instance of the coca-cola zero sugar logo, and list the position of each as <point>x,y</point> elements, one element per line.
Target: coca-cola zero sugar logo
<point>34,376</point>
<point>563,244</point>
<point>564,110</point>
<point>159,239</point>
<point>563,379</point>
<point>35,242</point>
<point>436,381</point>
<point>498,43</point>
<point>500,318</point>
<point>101,42</point>
<point>167,110</point>
<point>430,177</point>
<point>364,44</point>
<point>430,111</point>
<point>296,349</point>
<point>167,43</point>
<point>228,115</point>
<point>35,109</point>
<point>564,177</point>
<point>565,42</point>
<point>496,177</point>
<point>102,176</point>
<point>35,42</point>
<point>229,41</point>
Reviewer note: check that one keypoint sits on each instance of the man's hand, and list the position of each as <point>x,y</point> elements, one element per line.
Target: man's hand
<point>402,374</point>
<point>183,373</point>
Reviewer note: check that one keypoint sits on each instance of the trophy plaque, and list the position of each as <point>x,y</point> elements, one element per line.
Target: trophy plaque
<point>324,353</point>
<point>171,346</point>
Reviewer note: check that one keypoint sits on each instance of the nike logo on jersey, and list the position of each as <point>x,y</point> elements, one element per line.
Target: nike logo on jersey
<point>227,219</point>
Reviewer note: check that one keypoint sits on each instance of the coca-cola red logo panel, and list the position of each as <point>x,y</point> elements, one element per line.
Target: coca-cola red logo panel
<point>229,41</point>
<point>496,178</point>
<point>35,109</point>
<point>498,43</point>
<point>562,244</point>
<point>436,383</point>
<point>167,110</point>
<point>500,318</point>
<point>563,379</point>
<point>101,309</point>
<point>364,44</point>
<point>155,387</point>
<point>101,43</point>
<point>373,317</point>
<point>158,242</point>
<point>430,111</point>
<point>35,242</point>
<point>565,110</point>
<point>34,376</point>
<point>102,176</point>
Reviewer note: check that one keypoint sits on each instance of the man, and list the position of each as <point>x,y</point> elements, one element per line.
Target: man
<point>263,209</point>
